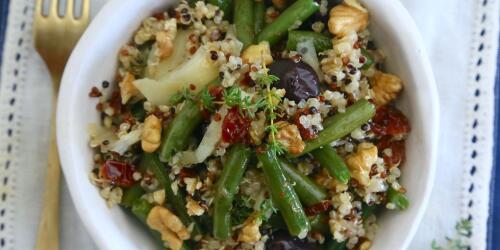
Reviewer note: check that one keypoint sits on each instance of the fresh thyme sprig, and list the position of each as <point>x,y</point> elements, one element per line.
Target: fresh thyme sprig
<point>207,100</point>
<point>271,104</point>
<point>233,96</point>
<point>183,94</point>
<point>463,229</point>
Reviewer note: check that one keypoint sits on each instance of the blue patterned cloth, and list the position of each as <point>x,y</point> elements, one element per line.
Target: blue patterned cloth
<point>4,11</point>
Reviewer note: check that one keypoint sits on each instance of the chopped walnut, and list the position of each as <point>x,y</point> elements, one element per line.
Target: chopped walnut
<point>151,134</point>
<point>385,87</point>
<point>361,161</point>
<point>347,17</point>
<point>289,136</point>
<point>165,38</point>
<point>169,225</point>
<point>127,88</point>
<point>258,53</point>
<point>193,207</point>
<point>258,129</point>
<point>250,232</point>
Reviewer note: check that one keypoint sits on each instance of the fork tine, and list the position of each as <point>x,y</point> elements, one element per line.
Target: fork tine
<point>70,4</point>
<point>54,8</point>
<point>38,8</point>
<point>85,10</point>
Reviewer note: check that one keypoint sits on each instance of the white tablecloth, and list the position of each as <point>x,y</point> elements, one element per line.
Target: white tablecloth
<point>455,40</point>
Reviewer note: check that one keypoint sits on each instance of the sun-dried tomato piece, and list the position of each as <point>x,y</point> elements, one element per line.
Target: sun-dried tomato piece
<point>319,208</point>
<point>118,173</point>
<point>235,127</point>
<point>396,153</point>
<point>389,121</point>
<point>216,92</point>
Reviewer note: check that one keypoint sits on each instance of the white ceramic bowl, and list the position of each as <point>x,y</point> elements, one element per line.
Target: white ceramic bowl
<point>95,60</point>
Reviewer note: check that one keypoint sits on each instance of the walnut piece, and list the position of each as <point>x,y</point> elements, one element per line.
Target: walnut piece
<point>289,136</point>
<point>127,88</point>
<point>250,232</point>
<point>193,207</point>
<point>385,87</point>
<point>151,134</point>
<point>361,161</point>
<point>347,17</point>
<point>169,225</point>
<point>257,53</point>
<point>165,39</point>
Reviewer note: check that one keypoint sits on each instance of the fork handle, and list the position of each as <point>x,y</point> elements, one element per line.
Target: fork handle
<point>48,229</point>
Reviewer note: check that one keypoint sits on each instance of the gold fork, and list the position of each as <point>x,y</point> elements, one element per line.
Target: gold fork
<point>54,38</point>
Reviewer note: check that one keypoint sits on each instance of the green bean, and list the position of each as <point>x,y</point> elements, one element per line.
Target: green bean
<point>227,187</point>
<point>321,42</point>
<point>334,164</point>
<point>244,21</point>
<point>308,191</point>
<point>289,19</point>
<point>368,59</point>
<point>283,195</point>
<point>400,200</point>
<point>177,201</point>
<point>131,194</point>
<point>341,125</point>
<point>141,208</point>
<point>176,135</point>
<point>224,5</point>
<point>332,244</point>
<point>259,16</point>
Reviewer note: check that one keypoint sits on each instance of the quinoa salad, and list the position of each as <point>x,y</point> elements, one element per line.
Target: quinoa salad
<point>247,124</point>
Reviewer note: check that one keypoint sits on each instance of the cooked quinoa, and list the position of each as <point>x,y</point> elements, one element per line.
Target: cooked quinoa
<point>220,132</point>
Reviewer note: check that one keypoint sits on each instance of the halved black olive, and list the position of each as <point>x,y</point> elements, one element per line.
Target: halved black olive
<point>297,78</point>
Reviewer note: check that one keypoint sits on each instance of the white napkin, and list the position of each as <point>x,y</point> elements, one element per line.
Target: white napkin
<point>451,31</point>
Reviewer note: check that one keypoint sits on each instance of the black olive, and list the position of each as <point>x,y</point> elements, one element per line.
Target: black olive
<point>297,78</point>
<point>281,240</point>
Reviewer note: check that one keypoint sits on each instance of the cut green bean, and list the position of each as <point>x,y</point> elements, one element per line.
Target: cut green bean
<point>368,59</point>
<point>332,162</point>
<point>177,201</point>
<point>176,135</point>
<point>308,191</point>
<point>225,6</point>
<point>259,16</point>
<point>244,21</point>
<point>341,125</point>
<point>227,187</point>
<point>131,194</point>
<point>321,42</point>
<point>400,200</point>
<point>283,195</point>
<point>290,19</point>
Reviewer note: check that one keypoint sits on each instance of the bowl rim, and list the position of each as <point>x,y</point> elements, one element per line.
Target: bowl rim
<point>76,60</point>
